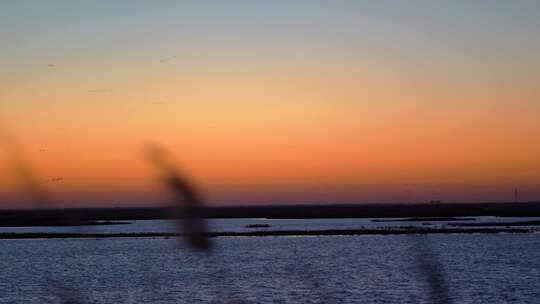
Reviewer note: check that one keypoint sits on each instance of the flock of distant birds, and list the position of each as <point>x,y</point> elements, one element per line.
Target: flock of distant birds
<point>52,65</point>
<point>162,60</point>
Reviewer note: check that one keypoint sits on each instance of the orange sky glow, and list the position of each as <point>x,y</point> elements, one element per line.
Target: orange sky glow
<point>336,125</point>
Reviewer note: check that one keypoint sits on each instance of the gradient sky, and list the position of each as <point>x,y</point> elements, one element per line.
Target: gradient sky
<point>273,101</point>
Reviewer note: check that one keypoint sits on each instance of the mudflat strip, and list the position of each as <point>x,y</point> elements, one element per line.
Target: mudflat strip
<point>276,233</point>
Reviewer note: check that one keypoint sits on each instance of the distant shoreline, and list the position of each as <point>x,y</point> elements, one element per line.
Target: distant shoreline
<point>70,217</point>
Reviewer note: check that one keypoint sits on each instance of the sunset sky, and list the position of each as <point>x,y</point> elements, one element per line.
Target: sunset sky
<point>273,102</point>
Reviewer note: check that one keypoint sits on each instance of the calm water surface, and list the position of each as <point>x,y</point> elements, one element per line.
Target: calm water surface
<point>503,268</point>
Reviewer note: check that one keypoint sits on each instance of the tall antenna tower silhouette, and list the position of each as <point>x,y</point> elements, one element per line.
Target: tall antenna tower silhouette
<point>516,195</point>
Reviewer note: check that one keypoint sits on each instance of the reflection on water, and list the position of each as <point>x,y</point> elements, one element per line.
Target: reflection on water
<point>500,268</point>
